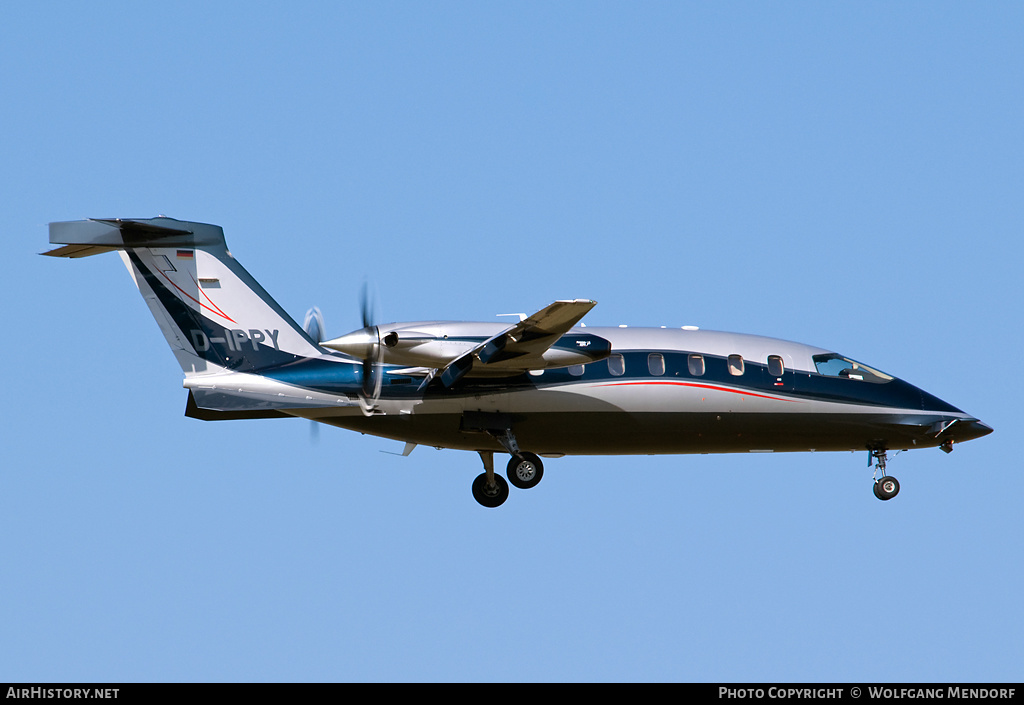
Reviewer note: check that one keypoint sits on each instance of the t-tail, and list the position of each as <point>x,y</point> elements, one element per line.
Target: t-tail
<point>214,315</point>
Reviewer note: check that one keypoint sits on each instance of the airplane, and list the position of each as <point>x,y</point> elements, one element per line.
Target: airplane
<point>544,386</point>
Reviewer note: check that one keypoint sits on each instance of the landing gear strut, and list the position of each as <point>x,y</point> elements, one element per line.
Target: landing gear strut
<point>524,469</point>
<point>489,489</point>
<point>886,487</point>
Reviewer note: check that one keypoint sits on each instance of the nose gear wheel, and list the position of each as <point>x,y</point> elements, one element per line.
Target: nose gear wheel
<point>886,486</point>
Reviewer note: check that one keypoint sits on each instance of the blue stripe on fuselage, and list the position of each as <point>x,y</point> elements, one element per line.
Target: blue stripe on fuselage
<point>798,385</point>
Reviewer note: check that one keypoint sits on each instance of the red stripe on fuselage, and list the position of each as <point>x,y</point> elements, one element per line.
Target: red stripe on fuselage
<point>700,386</point>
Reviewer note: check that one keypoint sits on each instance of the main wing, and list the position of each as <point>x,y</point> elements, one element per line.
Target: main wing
<point>528,344</point>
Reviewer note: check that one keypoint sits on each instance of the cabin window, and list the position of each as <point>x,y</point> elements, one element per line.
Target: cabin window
<point>775,366</point>
<point>833,365</point>
<point>656,364</point>
<point>576,370</point>
<point>696,365</point>
<point>617,365</point>
<point>736,365</point>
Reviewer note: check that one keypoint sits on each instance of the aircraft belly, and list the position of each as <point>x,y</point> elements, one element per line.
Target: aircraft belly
<point>621,433</point>
<point>623,419</point>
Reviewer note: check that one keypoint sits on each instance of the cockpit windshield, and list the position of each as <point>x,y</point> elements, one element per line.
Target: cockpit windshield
<point>833,365</point>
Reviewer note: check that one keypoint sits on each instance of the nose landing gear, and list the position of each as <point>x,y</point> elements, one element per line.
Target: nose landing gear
<point>886,487</point>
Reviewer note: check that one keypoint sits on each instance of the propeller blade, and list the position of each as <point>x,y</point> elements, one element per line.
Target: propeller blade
<point>368,378</point>
<point>372,355</point>
<point>314,325</point>
<point>366,307</point>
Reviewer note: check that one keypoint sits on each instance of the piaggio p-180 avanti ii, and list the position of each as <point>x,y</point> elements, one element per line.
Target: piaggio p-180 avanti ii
<point>541,387</point>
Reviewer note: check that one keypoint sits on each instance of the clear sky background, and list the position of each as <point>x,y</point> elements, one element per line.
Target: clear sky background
<point>848,176</point>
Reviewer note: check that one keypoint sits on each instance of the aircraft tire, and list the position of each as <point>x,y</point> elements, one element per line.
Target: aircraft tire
<point>886,488</point>
<point>525,470</point>
<point>492,498</point>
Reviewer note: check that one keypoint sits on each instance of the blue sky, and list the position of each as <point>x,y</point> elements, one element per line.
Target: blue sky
<point>848,176</point>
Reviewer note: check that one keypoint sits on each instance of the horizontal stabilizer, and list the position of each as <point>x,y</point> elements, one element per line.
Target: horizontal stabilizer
<point>76,251</point>
<point>83,238</point>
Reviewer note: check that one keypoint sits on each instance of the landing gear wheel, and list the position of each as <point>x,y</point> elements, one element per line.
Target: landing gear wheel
<point>525,470</point>
<point>886,487</point>
<point>490,496</point>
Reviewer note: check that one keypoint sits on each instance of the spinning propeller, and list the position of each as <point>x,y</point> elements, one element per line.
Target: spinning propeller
<point>314,327</point>
<point>371,356</point>
<point>364,344</point>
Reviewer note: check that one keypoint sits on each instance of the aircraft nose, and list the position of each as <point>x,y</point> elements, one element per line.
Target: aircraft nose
<point>971,430</point>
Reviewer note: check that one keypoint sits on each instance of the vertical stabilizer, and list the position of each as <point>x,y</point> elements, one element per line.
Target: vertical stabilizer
<point>214,315</point>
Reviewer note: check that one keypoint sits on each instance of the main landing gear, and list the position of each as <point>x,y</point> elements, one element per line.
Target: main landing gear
<point>886,486</point>
<point>524,471</point>
<point>490,489</point>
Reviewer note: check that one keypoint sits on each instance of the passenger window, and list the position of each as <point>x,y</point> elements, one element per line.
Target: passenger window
<point>656,364</point>
<point>696,365</point>
<point>617,365</point>
<point>736,365</point>
<point>775,366</point>
<point>576,370</point>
